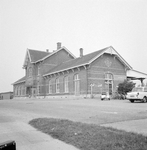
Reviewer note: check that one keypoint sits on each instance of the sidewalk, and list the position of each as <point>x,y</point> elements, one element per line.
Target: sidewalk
<point>135,126</point>
<point>28,138</point>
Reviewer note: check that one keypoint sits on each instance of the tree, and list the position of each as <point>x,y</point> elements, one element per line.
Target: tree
<point>125,87</point>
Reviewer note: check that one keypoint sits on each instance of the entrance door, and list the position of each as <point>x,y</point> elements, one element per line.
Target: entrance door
<point>28,91</point>
<point>33,92</point>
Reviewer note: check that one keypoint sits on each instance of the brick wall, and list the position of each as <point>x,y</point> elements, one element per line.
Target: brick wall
<point>105,64</point>
<point>70,74</point>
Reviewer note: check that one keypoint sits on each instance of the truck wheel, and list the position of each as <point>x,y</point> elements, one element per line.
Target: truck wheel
<point>144,100</point>
<point>132,101</point>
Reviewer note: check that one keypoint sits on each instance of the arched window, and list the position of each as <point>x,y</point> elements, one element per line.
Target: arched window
<point>108,76</point>
<point>77,84</point>
<point>57,85</point>
<point>20,91</point>
<point>50,87</point>
<point>66,87</point>
<point>15,91</point>
<point>38,71</point>
<point>30,72</point>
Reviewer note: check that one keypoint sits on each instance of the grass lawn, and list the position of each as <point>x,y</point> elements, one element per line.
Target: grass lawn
<point>89,136</point>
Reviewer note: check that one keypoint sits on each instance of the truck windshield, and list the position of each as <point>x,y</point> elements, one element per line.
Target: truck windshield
<point>138,89</point>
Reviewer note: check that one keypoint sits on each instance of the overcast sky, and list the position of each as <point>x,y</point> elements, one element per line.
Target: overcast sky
<point>90,24</point>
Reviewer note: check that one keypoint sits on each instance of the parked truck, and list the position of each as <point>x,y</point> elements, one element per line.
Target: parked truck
<point>137,94</point>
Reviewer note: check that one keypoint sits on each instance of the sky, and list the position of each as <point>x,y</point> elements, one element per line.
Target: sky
<point>88,24</point>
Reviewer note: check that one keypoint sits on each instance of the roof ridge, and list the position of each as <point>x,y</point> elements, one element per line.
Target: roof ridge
<point>39,51</point>
<point>85,59</point>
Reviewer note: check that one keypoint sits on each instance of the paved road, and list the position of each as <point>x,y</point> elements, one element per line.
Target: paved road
<point>15,114</point>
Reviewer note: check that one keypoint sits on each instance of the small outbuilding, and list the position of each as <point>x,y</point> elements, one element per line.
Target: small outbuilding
<point>6,95</point>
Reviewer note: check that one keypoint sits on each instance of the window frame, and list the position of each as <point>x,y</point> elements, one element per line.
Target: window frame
<point>57,83</point>
<point>50,87</point>
<point>30,72</point>
<point>66,84</point>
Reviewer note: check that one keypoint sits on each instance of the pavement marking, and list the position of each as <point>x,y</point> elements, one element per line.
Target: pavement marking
<point>109,112</point>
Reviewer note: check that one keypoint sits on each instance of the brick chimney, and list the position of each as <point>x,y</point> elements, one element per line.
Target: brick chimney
<point>81,52</point>
<point>58,45</point>
<point>47,50</point>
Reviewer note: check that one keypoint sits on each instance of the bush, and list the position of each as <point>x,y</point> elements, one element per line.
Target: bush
<point>125,87</point>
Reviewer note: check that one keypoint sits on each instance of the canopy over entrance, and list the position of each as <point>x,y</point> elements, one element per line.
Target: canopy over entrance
<point>136,75</point>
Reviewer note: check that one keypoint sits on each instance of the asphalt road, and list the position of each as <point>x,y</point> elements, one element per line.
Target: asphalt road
<point>116,113</point>
<point>84,110</point>
<point>15,115</point>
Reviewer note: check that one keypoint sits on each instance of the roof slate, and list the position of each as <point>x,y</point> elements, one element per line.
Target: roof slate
<point>37,55</point>
<point>75,62</point>
<point>20,80</point>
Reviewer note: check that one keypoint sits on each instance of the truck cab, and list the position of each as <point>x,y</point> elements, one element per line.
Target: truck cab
<point>137,94</point>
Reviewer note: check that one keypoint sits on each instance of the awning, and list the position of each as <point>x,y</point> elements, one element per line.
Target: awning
<point>136,75</point>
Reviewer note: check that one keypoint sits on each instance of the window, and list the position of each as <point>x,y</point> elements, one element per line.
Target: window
<point>30,72</point>
<point>38,73</point>
<point>66,88</point>
<point>57,86</point>
<point>15,90</point>
<point>108,76</point>
<point>38,89</point>
<point>20,91</point>
<point>77,84</point>
<point>50,87</point>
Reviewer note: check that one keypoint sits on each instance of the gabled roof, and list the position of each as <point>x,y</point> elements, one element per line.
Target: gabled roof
<point>60,50</point>
<point>35,56</point>
<point>23,79</point>
<point>85,60</point>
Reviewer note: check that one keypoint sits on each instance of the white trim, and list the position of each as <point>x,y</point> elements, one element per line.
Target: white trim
<point>19,82</point>
<point>66,69</point>
<point>111,50</point>
<point>136,74</point>
<point>27,55</point>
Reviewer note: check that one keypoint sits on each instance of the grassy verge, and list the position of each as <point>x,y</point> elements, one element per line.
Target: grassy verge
<point>90,137</point>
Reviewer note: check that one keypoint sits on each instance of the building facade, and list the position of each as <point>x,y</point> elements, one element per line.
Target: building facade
<point>6,95</point>
<point>61,74</point>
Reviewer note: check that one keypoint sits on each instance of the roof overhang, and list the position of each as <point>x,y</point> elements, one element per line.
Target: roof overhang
<point>112,51</point>
<point>136,75</point>
<point>19,82</point>
<point>27,58</point>
<point>108,50</point>
<point>56,52</point>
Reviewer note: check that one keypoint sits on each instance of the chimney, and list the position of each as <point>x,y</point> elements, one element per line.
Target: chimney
<point>58,45</point>
<point>47,50</point>
<point>81,52</point>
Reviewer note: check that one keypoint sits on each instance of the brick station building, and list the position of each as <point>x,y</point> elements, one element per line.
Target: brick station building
<point>61,74</point>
